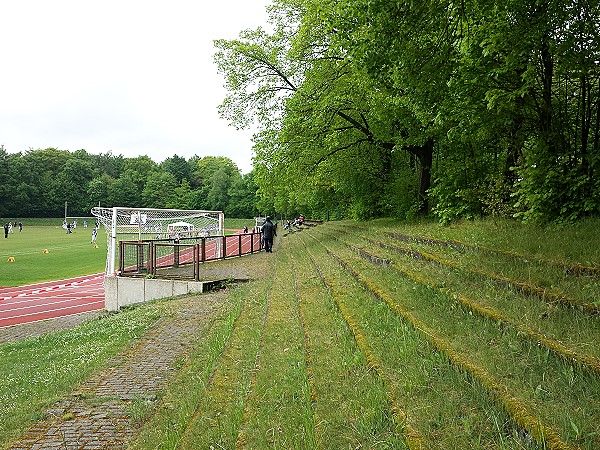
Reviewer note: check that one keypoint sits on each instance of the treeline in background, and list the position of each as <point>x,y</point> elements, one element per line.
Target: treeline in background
<point>37,183</point>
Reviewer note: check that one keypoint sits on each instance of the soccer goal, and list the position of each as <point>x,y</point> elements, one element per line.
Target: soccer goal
<point>141,224</point>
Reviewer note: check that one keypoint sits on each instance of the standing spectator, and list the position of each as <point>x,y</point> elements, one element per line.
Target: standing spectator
<point>268,231</point>
<point>5,230</point>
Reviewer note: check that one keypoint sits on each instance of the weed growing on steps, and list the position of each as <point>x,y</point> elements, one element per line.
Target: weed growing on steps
<point>545,395</point>
<point>429,390</point>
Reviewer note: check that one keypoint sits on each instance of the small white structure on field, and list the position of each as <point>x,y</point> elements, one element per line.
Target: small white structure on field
<point>181,229</point>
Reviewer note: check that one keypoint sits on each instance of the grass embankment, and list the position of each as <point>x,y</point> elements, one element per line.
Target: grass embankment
<point>535,355</point>
<point>379,336</point>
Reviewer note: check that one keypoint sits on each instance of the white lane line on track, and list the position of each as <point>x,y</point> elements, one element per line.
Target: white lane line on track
<point>41,293</point>
<point>52,310</point>
<point>17,293</point>
<point>52,283</point>
<point>40,305</point>
<point>92,294</point>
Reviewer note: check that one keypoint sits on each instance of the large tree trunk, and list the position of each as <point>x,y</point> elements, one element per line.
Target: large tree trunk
<point>424,155</point>
<point>547,74</point>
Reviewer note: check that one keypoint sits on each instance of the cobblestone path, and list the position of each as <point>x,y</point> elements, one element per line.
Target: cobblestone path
<point>99,414</point>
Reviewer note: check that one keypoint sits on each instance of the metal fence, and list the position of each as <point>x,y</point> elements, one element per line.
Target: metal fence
<point>182,258</point>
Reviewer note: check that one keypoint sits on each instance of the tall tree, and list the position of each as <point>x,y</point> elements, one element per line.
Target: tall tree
<point>99,189</point>
<point>218,195</point>
<point>6,184</point>
<point>159,190</point>
<point>242,197</point>
<point>71,185</point>
<point>317,107</point>
<point>178,167</point>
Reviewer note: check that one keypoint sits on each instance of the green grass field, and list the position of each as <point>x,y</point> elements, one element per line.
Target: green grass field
<point>68,255</point>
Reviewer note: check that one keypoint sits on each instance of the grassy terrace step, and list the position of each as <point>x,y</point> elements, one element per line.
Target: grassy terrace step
<point>218,414</point>
<point>570,269</point>
<point>278,411</point>
<point>581,359</point>
<point>577,330</point>
<point>540,276</point>
<point>412,438</point>
<point>463,362</point>
<point>531,379</point>
<point>543,293</point>
<point>445,408</point>
<point>543,279</point>
<point>350,408</point>
<point>565,244</point>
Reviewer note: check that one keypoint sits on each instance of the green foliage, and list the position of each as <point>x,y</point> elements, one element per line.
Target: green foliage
<point>551,190</point>
<point>39,182</point>
<point>159,190</point>
<point>242,197</point>
<point>178,167</point>
<point>497,101</point>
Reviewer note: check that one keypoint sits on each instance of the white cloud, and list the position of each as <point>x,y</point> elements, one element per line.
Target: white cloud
<point>130,76</point>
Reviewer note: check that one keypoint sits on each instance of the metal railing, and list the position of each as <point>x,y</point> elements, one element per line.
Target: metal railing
<point>173,258</point>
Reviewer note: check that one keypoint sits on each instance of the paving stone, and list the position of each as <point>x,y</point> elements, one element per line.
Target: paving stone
<point>104,423</point>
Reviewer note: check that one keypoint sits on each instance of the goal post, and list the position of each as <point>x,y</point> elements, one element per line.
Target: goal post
<point>137,224</point>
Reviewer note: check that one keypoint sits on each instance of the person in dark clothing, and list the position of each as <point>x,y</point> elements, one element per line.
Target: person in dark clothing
<point>269,232</point>
<point>5,230</point>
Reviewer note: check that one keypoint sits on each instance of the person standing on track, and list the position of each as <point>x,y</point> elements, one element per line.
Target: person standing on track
<point>269,231</point>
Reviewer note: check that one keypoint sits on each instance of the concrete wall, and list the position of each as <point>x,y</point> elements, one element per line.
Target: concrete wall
<point>124,291</point>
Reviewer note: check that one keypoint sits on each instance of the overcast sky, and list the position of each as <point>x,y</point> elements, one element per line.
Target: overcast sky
<point>135,77</point>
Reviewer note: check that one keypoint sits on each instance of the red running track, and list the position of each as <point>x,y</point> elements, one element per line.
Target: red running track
<point>51,299</point>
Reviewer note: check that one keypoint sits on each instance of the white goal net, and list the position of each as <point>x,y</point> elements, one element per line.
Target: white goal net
<point>140,224</point>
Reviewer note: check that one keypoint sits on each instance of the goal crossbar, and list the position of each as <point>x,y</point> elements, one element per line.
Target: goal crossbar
<point>126,224</point>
